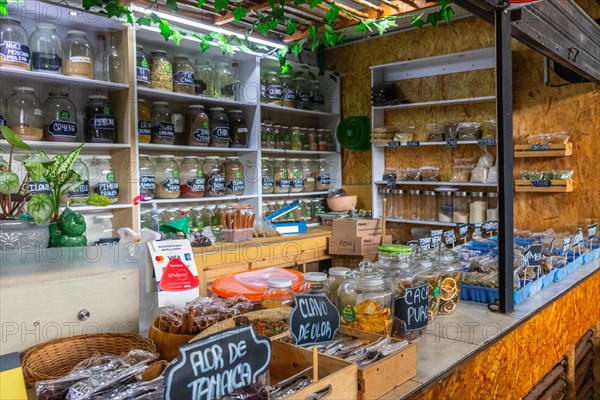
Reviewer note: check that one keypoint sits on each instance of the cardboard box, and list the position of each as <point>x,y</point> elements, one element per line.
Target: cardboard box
<point>356,227</point>
<point>354,246</point>
<point>350,261</point>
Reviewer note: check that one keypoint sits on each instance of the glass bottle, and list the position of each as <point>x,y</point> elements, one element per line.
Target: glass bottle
<point>184,80</point>
<point>267,182</point>
<point>308,172</point>
<point>315,283</point>
<point>303,95</point>
<point>477,208</point>
<point>296,176</point>
<point>288,92</point>
<point>337,276</point>
<point>24,114</point>
<point>163,129</point>
<point>14,37</point>
<point>144,122</point>
<point>101,232</point>
<point>204,78</point>
<point>264,135</point>
<point>142,67</point>
<point>281,176</point>
<point>99,123</point>
<point>192,177</point>
<point>168,185</point>
<point>46,49</point>
<point>461,208</point>
<point>277,131</point>
<point>224,81</point>
<point>147,177</point>
<point>161,71</point>
<point>103,178</point>
<point>318,101</point>
<point>238,129</point>
<point>197,127</point>
<point>79,55</point>
<point>279,294</point>
<point>60,118</point>
<point>273,94</point>
<point>219,128</point>
<point>429,206</point>
<point>79,193</point>
<point>296,139</point>
<point>492,207</point>
<point>214,176</point>
<point>322,176</point>
<point>113,62</point>
<point>234,176</point>
<point>100,69</point>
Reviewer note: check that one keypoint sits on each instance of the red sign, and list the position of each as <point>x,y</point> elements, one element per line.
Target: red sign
<point>177,277</point>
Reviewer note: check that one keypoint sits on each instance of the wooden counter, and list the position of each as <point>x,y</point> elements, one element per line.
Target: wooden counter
<point>283,251</point>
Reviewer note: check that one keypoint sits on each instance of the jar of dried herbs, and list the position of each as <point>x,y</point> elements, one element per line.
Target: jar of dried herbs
<point>161,71</point>
<point>183,75</point>
<point>163,129</point>
<point>197,127</point>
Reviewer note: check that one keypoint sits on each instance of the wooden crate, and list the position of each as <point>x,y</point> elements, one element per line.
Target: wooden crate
<point>554,150</point>
<point>556,186</point>
<point>338,375</point>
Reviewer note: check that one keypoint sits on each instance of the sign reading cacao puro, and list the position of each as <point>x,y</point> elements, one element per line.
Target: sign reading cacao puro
<point>411,308</point>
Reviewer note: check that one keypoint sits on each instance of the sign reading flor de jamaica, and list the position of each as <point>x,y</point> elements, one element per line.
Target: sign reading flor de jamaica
<point>314,320</point>
<point>218,365</point>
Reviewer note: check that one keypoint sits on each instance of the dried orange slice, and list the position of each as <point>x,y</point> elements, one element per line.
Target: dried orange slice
<point>448,285</point>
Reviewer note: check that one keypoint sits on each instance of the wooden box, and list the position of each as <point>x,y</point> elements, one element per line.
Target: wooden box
<point>337,375</point>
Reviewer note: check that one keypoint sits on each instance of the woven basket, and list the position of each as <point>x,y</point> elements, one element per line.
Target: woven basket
<point>56,358</point>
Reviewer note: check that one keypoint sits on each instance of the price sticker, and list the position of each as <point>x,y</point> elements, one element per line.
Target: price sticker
<point>477,229</point>
<point>413,143</point>
<point>578,237</point>
<point>394,144</point>
<point>451,143</point>
<point>533,256</point>
<point>413,244</point>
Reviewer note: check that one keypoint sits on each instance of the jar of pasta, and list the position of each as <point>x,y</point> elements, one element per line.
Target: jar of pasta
<point>167,178</point>
<point>234,176</point>
<point>281,176</point>
<point>214,177</point>
<point>161,71</point>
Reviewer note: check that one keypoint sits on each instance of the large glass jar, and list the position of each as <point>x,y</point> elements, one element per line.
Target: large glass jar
<point>114,63</point>
<point>318,101</point>
<point>214,176</point>
<point>24,114</point>
<point>307,210</point>
<point>238,129</point>
<point>60,118</point>
<point>167,178</point>
<point>100,125</point>
<point>295,139</point>
<point>312,140</point>
<point>492,207</point>
<point>322,137</point>
<point>204,78</point>
<point>322,176</point>
<point>147,177</point>
<point>78,55</point>
<point>192,177</point>
<point>144,122</point>
<point>265,136</point>
<point>308,172</point>
<point>142,67</point>
<point>101,231</point>
<point>429,207</point>
<point>411,306</point>
<point>234,176</point>
<point>263,88</point>
<point>279,294</point>
<point>183,75</point>
<point>103,178</point>
<point>330,140</point>
<point>477,208</point>
<point>296,176</point>
<point>413,204</point>
<point>303,94</point>
<point>78,194</point>
<point>282,137</point>
<point>220,134</point>
<point>15,52</point>
<point>268,181</point>
<point>365,300</point>
<point>461,208</point>
<point>100,70</point>
<point>281,176</point>
<point>315,283</point>
<point>2,112</point>
<point>161,71</point>
<point>224,81</point>
<point>273,91</point>
<point>288,92</point>
<point>46,49</point>
<point>163,129</point>
<point>337,276</point>
<point>446,205</point>
<point>451,271</point>
<point>197,127</point>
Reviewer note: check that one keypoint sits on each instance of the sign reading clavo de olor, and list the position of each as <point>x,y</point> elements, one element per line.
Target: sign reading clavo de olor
<point>314,320</point>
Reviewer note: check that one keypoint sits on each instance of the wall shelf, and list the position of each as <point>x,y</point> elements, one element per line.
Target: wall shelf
<point>438,103</point>
<point>421,222</point>
<point>199,200</point>
<point>553,150</point>
<point>162,95</point>
<point>286,195</point>
<point>89,85</point>
<point>296,111</point>
<point>297,152</point>
<point>419,183</point>
<point>60,146</point>
<point>191,149</point>
<point>458,143</point>
<point>556,186</point>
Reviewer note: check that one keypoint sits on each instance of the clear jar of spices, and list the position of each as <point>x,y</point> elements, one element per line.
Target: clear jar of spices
<point>192,177</point>
<point>219,128</point>
<point>163,129</point>
<point>273,88</point>
<point>183,75</point>
<point>322,176</point>
<point>142,64</point>
<point>24,114</point>
<point>15,52</point>
<point>303,94</point>
<point>204,79</point>
<point>238,129</point>
<point>307,210</point>
<point>214,176</point>
<point>296,176</point>
<point>308,172</point>
<point>281,176</point>
<point>279,294</point>
<point>265,136</point>
<point>103,178</point>
<point>279,134</point>
<point>288,92</point>
<point>60,118</point>
<point>267,182</point>
<point>144,122</point>
<point>79,55</point>
<point>312,140</point>
<point>46,49</point>
<point>318,101</point>
<point>429,207</point>
<point>78,194</point>
<point>147,177</point>
<point>296,139</point>
<point>234,176</point>
<point>161,71</point>
<point>461,208</point>
<point>315,283</point>
<point>167,178</point>
<point>100,125</point>
<point>337,276</point>
<point>446,204</point>
<point>197,127</point>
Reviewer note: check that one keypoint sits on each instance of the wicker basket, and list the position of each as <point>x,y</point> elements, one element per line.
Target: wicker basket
<point>56,358</point>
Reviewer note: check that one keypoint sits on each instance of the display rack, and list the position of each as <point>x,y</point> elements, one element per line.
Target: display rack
<point>550,186</point>
<point>551,150</point>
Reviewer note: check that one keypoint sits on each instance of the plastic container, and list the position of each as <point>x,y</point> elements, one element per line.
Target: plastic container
<point>253,284</point>
<point>238,235</point>
<point>315,283</point>
<point>279,294</point>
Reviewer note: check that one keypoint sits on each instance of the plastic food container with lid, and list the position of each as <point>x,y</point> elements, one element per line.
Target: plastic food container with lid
<point>315,283</point>
<point>279,293</point>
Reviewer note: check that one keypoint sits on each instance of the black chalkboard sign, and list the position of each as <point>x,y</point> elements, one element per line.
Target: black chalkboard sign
<point>486,142</point>
<point>217,365</point>
<point>314,320</point>
<point>436,238</point>
<point>533,256</point>
<point>541,183</point>
<point>449,237</point>
<point>413,143</point>
<point>411,307</point>
<point>488,226</point>
<point>451,142</point>
<point>578,237</point>
<point>394,144</point>
<point>477,229</point>
<point>539,147</point>
<point>463,230</point>
<point>413,244</point>
<point>389,176</point>
<point>391,183</point>
<point>592,231</point>
<point>425,244</point>
<point>566,245</point>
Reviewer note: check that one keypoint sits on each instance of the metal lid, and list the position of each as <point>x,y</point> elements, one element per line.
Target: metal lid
<point>492,194</point>
<point>414,192</point>
<point>198,106</point>
<point>43,25</point>
<point>98,96</point>
<point>429,193</point>
<point>479,194</point>
<point>166,156</point>
<point>160,103</point>
<point>216,109</point>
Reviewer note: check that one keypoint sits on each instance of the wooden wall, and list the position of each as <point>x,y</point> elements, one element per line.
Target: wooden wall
<point>537,109</point>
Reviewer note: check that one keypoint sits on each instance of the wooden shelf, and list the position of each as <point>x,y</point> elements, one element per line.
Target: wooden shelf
<point>556,186</point>
<point>438,103</point>
<point>419,183</point>
<point>49,147</point>
<point>458,143</point>
<point>553,150</point>
<point>296,111</point>
<point>298,152</point>
<point>420,222</point>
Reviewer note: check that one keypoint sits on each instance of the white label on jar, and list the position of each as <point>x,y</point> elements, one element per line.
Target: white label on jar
<point>15,52</point>
<point>86,60</point>
<point>38,112</point>
<point>108,189</point>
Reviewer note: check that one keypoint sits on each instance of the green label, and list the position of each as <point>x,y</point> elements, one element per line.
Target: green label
<point>110,177</point>
<point>436,291</point>
<point>348,314</point>
<point>264,137</point>
<point>175,173</point>
<point>238,175</point>
<point>329,139</point>
<point>168,68</point>
<point>106,110</point>
<point>199,174</point>
<point>64,115</point>
<point>145,63</point>
<point>298,174</point>
<point>285,175</point>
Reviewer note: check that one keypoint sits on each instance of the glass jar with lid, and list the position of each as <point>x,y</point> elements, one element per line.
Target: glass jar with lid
<point>307,210</point>
<point>477,208</point>
<point>207,214</point>
<point>429,207</point>
<point>446,204</point>
<point>214,177</point>
<point>318,100</point>
<point>220,134</point>
<point>492,207</point>
<point>24,114</point>
<point>191,173</point>
<point>163,129</point>
<point>277,131</point>
<point>322,138</point>
<point>460,213</point>
<point>411,307</point>
<point>103,178</point>
<point>79,193</point>
<point>161,71</point>
<point>101,231</point>
<point>197,127</point>
<point>365,300</point>
<point>238,129</point>
<point>413,204</point>
<point>337,276</point>
<point>224,81</point>
<point>265,136</point>
<point>312,140</point>
<point>279,294</point>
<point>308,172</point>
<point>303,94</point>
<point>204,77</point>
<point>197,221</point>
<point>296,139</point>
<point>60,118</point>
<point>144,122</point>
<point>46,49</point>
<point>451,271</point>
<point>183,75</point>
<point>263,88</point>
<point>147,177</point>
<point>315,283</point>
<point>100,125</point>
<point>234,176</point>
<point>15,52</point>
<point>78,55</point>
<point>288,91</point>
<point>267,180</point>
<point>273,88</point>
<point>330,140</point>
<point>296,176</point>
<point>322,176</point>
<point>167,178</point>
<point>281,176</point>
<point>142,67</point>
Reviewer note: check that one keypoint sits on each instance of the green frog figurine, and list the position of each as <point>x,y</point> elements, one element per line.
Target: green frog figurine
<point>68,231</point>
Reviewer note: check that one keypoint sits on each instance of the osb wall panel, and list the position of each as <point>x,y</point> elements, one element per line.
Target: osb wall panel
<point>529,351</point>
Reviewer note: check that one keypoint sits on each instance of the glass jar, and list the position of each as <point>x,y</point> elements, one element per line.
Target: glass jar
<point>24,114</point>
<point>303,95</point>
<point>281,176</point>
<point>273,88</point>
<point>197,127</point>
<point>322,176</point>
<point>288,92</point>
<point>488,129</point>
<point>100,125</point>
<point>196,218</point>
<point>101,232</point>
<point>451,271</point>
<point>477,208</point>
<point>318,100</point>
<point>147,177</point>
<point>322,140</point>
<point>224,81</point>
<point>161,71</point>
<point>144,122</point>
<point>207,214</point>
<point>15,52</point>
<point>167,178</point>
<point>307,210</point>
<point>163,129</point>
<point>312,140</point>
<point>330,140</point>
<point>365,300</point>
<point>460,214</point>
<point>411,305</point>
<point>446,204</point>
<point>78,194</point>
<point>296,176</point>
<point>308,173</point>
<point>318,208</point>
<point>279,294</point>
<point>296,139</point>
<point>398,204</point>
<point>265,131</point>
<point>234,176</point>
<point>278,132</point>
<point>219,128</point>
<point>413,204</point>
<point>263,88</point>
<point>78,55</point>
<point>114,64</point>
<point>184,80</point>
<point>315,283</point>
<point>100,71</point>
<point>238,129</point>
<point>60,118</point>
<point>46,49</point>
<point>267,182</point>
<point>428,207</point>
<point>492,207</point>
<point>142,69</point>
<point>192,177</point>
<point>103,178</point>
<point>214,177</point>
<point>204,79</point>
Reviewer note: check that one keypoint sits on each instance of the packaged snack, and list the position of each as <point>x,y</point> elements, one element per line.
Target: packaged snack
<point>468,131</point>
<point>488,129</point>
<point>430,174</point>
<point>435,132</point>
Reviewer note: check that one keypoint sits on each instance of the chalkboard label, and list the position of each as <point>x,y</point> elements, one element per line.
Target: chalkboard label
<point>541,183</point>
<point>451,143</point>
<point>566,245</point>
<point>488,226</point>
<point>449,237</point>
<point>389,176</point>
<point>413,244</point>
<point>578,237</point>
<point>539,147</point>
<point>486,142</point>
<point>533,256</point>
<point>218,365</point>
<point>413,143</point>
<point>391,183</point>
<point>411,308</point>
<point>425,244</point>
<point>477,229</point>
<point>436,238</point>
<point>463,230</point>
<point>592,231</point>
<point>314,320</point>
<point>394,144</point>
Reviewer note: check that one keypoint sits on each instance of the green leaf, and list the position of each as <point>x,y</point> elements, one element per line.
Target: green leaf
<point>282,51</point>
<point>362,27</point>
<point>262,47</point>
<point>417,21</point>
<point>144,21</point>
<point>201,3</point>
<point>165,29</point>
<point>297,48</point>
<point>383,25</point>
<point>87,4</point>
<point>13,139</point>
<point>332,14</point>
<point>172,5</point>
<point>314,3</point>
<point>291,27</point>
<point>433,18</point>
<point>221,5</point>
<point>33,158</point>
<point>40,207</point>
<point>9,183</point>
<point>245,49</point>
<point>299,2</point>
<point>176,36</point>
<point>98,200</point>
<point>3,10</point>
<point>204,46</point>
<point>312,32</point>
<point>239,13</point>
<point>36,170</point>
<point>447,13</point>
<point>263,28</point>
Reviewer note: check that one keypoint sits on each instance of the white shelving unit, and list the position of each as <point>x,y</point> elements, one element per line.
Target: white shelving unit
<point>439,103</point>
